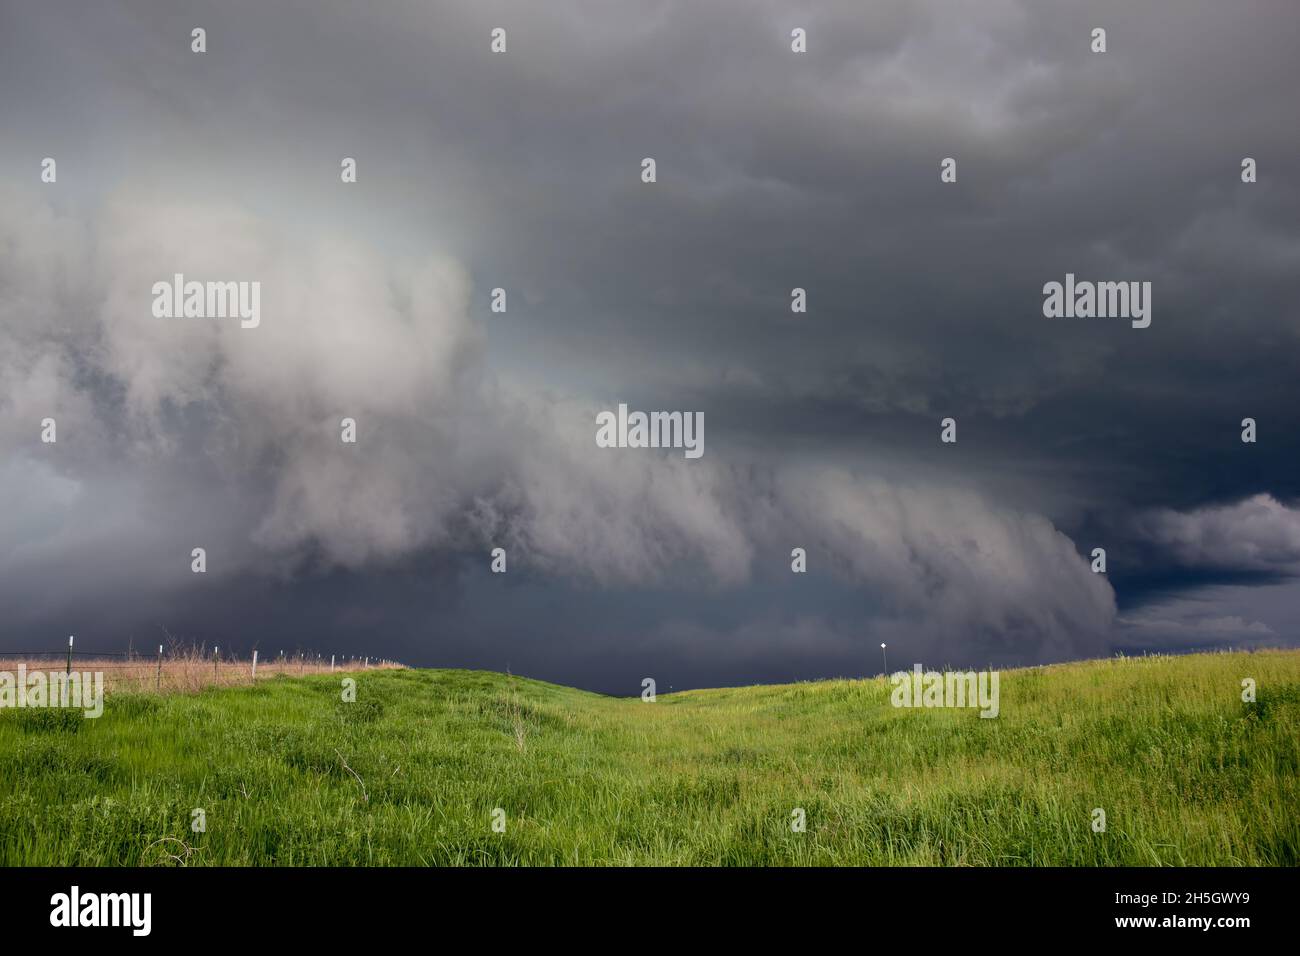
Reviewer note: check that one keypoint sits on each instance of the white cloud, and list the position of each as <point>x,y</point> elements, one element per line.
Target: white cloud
<point>1257,534</point>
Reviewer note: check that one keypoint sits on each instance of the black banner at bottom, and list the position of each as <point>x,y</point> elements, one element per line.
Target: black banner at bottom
<point>303,905</point>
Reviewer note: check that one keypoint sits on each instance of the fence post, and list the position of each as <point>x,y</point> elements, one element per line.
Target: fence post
<point>331,663</point>
<point>69,654</point>
<point>216,652</point>
<point>254,665</point>
<point>160,668</point>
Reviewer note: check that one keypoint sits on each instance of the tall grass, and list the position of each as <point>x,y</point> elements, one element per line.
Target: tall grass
<point>287,773</point>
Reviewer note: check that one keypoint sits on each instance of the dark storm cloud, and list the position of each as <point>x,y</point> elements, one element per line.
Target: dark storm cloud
<point>775,170</point>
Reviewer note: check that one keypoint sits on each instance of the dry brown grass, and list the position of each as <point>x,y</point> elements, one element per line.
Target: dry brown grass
<point>188,670</point>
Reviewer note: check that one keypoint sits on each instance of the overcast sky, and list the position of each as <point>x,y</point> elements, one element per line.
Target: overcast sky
<point>476,429</point>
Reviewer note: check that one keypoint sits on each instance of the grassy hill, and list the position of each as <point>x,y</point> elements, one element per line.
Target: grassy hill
<point>286,773</point>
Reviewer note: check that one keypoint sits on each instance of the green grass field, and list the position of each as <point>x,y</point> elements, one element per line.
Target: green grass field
<point>1184,770</point>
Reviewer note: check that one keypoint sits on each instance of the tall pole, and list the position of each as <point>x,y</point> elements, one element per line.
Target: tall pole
<point>69,671</point>
<point>884,660</point>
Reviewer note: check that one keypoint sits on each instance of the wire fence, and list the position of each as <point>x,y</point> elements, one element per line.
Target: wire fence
<point>185,667</point>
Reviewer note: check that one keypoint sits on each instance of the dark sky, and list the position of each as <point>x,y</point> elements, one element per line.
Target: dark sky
<point>476,430</point>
